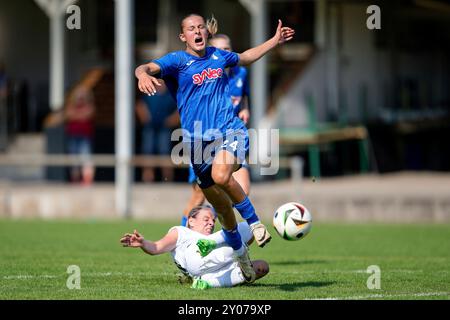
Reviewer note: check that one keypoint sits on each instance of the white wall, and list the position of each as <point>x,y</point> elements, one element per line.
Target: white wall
<point>292,108</point>
<point>358,64</point>
<point>361,62</point>
<point>81,51</point>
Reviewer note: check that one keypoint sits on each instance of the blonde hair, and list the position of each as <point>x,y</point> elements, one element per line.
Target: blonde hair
<point>211,24</point>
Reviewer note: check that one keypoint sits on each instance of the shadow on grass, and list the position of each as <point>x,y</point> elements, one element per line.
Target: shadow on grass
<point>298,262</point>
<point>296,285</point>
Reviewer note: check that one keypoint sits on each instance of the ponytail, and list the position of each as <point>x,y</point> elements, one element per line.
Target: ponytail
<point>212,26</point>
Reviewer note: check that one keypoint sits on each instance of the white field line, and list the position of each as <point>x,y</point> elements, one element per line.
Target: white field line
<point>29,276</point>
<point>87,274</point>
<point>130,274</point>
<point>361,297</point>
<point>382,296</point>
<point>359,271</point>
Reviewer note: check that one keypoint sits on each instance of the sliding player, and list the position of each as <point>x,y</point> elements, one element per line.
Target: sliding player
<point>198,253</point>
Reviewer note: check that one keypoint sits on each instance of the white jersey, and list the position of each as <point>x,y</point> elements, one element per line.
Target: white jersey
<point>218,267</point>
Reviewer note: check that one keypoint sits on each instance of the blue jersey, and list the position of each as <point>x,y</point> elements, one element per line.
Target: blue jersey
<point>200,86</point>
<point>239,87</point>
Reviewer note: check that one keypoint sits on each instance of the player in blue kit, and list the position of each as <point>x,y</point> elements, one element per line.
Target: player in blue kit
<point>239,91</point>
<point>218,139</point>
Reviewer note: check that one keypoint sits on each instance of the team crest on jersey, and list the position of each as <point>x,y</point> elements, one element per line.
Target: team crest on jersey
<point>207,74</point>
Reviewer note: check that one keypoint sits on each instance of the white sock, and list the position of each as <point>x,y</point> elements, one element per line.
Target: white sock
<point>239,252</point>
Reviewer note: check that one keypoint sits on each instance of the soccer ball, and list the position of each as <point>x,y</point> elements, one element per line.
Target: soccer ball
<point>292,221</point>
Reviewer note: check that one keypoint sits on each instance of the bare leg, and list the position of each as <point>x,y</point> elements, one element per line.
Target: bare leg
<point>88,173</point>
<point>223,166</point>
<point>197,199</point>
<point>242,176</point>
<point>222,204</point>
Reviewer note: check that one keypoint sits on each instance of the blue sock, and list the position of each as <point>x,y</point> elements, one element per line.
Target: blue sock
<point>247,211</point>
<point>233,238</point>
<point>184,221</point>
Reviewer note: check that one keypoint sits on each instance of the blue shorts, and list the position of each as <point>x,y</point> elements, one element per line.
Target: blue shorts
<point>203,153</point>
<point>193,178</point>
<point>81,146</point>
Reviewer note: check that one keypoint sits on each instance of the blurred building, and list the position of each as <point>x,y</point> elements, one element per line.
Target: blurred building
<point>393,81</point>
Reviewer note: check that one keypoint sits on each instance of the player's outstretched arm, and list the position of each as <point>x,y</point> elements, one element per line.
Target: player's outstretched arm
<point>164,245</point>
<point>145,74</point>
<point>282,35</point>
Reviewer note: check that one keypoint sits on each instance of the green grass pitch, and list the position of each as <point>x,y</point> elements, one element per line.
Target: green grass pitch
<point>330,263</point>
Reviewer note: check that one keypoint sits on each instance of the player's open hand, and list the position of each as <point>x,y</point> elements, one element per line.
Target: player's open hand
<point>284,34</point>
<point>147,84</point>
<point>133,240</point>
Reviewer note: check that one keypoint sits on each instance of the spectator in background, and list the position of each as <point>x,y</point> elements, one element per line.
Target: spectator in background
<point>158,115</point>
<point>79,115</point>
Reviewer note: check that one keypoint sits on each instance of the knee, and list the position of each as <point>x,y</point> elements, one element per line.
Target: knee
<point>264,268</point>
<point>261,268</point>
<point>221,178</point>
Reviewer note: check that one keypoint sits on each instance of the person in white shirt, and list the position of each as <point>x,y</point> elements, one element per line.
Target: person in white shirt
<point>199,253</point>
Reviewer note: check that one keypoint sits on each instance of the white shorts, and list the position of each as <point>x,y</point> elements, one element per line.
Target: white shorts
<point>227,277</point>
<point>218,268</point>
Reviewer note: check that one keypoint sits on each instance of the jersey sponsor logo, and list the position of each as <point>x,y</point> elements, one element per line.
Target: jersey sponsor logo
<point>207,74</point>
<point>215,57</point>
<point>189,63</point>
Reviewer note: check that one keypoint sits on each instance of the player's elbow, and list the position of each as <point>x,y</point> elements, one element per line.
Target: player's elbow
<point>244,59</point>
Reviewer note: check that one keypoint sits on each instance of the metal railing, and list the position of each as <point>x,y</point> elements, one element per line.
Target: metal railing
<point>295,164</point>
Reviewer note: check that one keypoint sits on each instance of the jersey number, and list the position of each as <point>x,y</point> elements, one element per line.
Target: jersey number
<point>233,145</point>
